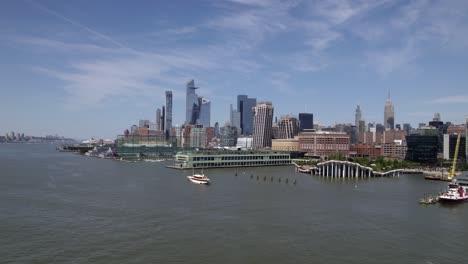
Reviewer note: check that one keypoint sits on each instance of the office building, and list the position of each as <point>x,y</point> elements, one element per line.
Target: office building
<point>450,142</point>
<point>395,150</point>
<point>228,137</point>
<point>422,148</point>
<point>198,138</point>
<point>143,123</point>
<point>358,117</point>
<point>263,119</point>
<point>192,107</point>
<point>163,117</point>
<point>168,120</point>
<point>204,117</point>
<point>245,106</point>
<point>407,128</point>
<point>306,121</point>
<point>290,145</point>
<point>216,129</point>
<point>244,142</point>
<point>389,114</point>
<point>235,119</point>
<point>288,127</point>
<point>158,119</point>
<point>324,143</point>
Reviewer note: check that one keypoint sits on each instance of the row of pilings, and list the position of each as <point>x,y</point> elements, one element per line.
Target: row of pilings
<point>346,169</point>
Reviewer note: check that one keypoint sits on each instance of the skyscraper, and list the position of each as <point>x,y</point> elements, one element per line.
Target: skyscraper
<point>235,119</point>
<point>288,127</point>
<point>168,119</point>
<point>216,127</point>
<point>158,119</point>
<point>228,135</point>
<point>204,116</point>
<point>263,119</point>
<point>436,117</point>
<point>389,114</point>
<point>466,138</point>
<point>192,108</point>
<point>358,117</point>
<point>245,106</point>
<point>163,117</point>
<point>306,121</point>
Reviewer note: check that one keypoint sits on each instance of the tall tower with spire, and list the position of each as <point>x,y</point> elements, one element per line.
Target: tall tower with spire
<point>389,114</point>
<point>358,117</point>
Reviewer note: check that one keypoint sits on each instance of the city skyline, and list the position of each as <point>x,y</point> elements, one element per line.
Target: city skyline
<point>81,70</point>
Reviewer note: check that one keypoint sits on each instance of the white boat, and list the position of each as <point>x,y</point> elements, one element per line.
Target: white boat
<point>457,191</point>
<point>199,178</point>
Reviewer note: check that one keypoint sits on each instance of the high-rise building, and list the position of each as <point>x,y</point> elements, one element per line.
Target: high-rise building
<point>389,114</point>
<point>204,117</point>
<point>422,148</point>
<point>168,119</point>
<point>466,138</point>
<point>198,137</point>
<point>143,123</point>
<point>245,106</point>
<point>133,130</point>
<point>158,119</point>
<point>263,119</point>
<point>436,117</point>
<point>228,137</point>
<point>163,117</point>
<point>216,129</point>
<point>235,119</point>
<point>306,121</point>
<point>407,128</point>
<point>357,117</point>
<point>288,127</point>
<point>450,143</point>
<point>192,104</point>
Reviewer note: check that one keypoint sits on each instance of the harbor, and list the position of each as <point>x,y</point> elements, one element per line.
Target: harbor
<point>145,205</point>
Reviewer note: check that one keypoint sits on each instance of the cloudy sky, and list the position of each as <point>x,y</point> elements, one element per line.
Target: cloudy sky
<point>93,68</point>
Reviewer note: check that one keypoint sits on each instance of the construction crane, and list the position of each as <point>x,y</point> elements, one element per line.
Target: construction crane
<point>455,157</point>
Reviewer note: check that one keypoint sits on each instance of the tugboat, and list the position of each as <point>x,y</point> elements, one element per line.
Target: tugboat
<point>199,178</point>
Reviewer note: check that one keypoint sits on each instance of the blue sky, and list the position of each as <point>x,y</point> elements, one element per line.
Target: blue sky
<point>93,68</point>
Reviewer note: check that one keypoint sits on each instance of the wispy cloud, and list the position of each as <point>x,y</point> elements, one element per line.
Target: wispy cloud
<point>243,31</point>
<point>76,24</point>
<point>454,99</point>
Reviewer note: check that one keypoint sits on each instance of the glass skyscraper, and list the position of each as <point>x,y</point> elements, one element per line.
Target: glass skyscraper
<point>245,106</point>
<point>306,121</point>
<point>204,115</point>
<point>192,108</point>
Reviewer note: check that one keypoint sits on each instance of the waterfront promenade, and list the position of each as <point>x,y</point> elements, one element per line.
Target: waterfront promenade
<point>347,169</point>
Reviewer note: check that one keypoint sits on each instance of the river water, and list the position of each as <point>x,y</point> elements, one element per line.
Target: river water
<point>63,208</point>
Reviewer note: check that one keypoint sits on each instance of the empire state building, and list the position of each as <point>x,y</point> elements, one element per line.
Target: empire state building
<point>389,114</point>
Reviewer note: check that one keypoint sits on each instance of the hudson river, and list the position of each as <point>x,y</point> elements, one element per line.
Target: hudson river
<point>63,208</point>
